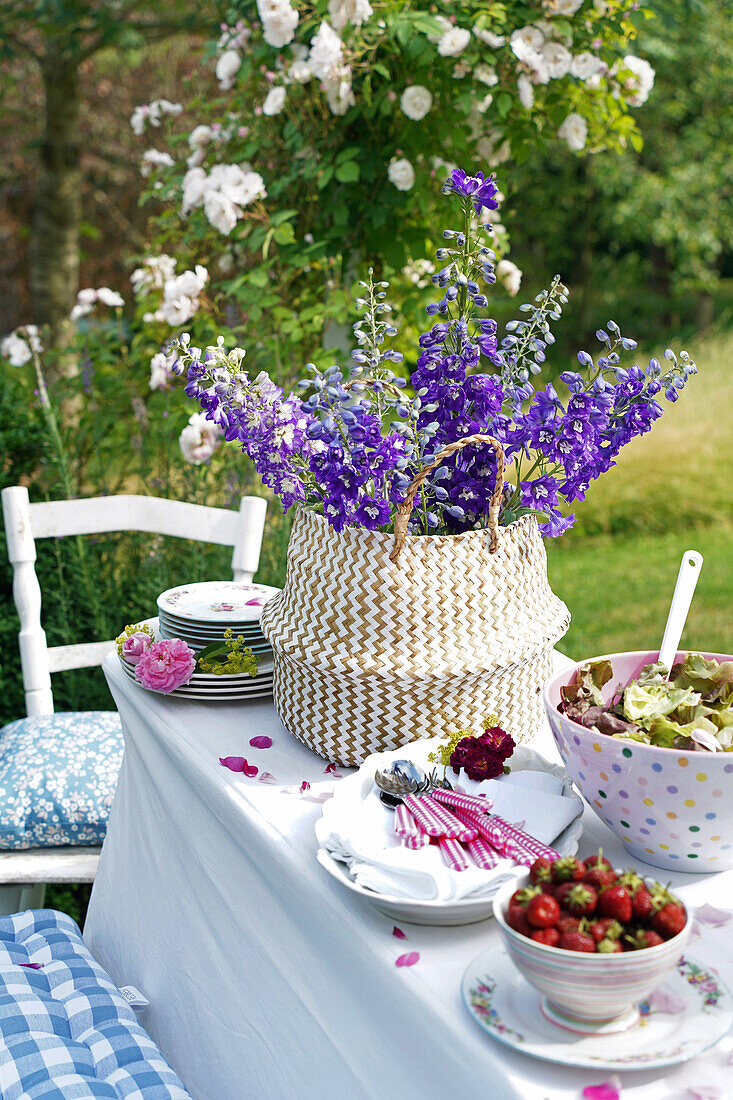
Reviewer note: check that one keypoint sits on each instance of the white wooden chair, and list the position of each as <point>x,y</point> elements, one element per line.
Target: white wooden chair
<point>23,874</point>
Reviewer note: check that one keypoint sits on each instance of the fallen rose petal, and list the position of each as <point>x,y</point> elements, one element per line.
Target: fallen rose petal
<point>250,770</point>
<point>703,1092</point>
<point>305,786</point>
<point>331,769</point>
<point>31,966</point>
<point>695,931</point>
<point>323,797</point>
<point>409,959</point>
<point>661,1000</point>
<point>261,742</point>
<point>708,914</point>
<point>398,933</point>
<point>234,763</point>
<point>607,1090</point>
<point>267,777</point>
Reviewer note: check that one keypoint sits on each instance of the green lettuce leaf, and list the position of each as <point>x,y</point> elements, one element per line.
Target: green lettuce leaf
<point>663,731</point>
<point>702,674</point>
<point>641,704</point>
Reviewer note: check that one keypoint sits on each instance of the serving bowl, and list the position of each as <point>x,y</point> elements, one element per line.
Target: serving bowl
<point>672,808</point>
<point>588,993</point>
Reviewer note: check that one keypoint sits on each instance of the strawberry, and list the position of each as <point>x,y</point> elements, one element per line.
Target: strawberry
<point>606,929</point>
<point>548,936</point>
<point>542,911</point>
<point>598,862</point>
<point>670,920</point>
<point>608,947</point>
<point>567,923</point>
<point>581,899</point>
<point>615,902</point>
<point>567,869</point>
<point>561,893</point>
<point>644,937</point>
<point>541,871</point>
<point>599,877</point>
<point>516,918</point>
<point>642,904</point>
<point>630,880</point>
<point>524,895</point>
<point>576,941</point>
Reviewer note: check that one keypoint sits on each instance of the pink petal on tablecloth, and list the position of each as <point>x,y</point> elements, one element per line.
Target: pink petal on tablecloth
<point>661,1000</point>
<point>250,770</point>
<point>322,797</point>
<point>304,786</point>
<point>234,763</point>
<point>31,966</point>
<point>703,1092</point>
<point>708,914</point>
<point>398,933</point>
<point>261,742</point>
<point>409,959</point>
<point>267,777</point>
<point>607,1090</point>
<point>331,769</point>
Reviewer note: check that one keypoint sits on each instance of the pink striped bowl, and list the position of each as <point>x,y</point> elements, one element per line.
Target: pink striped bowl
<point>587,993</point>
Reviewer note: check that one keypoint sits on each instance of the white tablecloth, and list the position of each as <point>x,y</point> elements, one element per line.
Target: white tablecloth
<point>267,980</point>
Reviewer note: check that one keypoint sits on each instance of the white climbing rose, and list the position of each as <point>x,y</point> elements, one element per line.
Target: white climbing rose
<point>401,173</point>
<point>416,101</point>
<point>574,131</point>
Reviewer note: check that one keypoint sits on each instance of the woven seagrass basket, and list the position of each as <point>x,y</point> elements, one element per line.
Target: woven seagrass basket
<point>380,638</point>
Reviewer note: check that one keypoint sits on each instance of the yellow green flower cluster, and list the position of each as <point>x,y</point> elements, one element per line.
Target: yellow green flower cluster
<point>235,657</point>
<point>446,750</point>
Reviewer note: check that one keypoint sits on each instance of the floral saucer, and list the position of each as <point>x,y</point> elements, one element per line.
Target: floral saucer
<point>698,1012</point>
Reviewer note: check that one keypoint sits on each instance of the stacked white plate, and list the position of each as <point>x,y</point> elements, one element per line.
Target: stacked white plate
<point>224,688</point>
<point>200,613</point>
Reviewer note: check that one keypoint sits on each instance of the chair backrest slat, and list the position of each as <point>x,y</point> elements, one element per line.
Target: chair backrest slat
<point>25,522</point>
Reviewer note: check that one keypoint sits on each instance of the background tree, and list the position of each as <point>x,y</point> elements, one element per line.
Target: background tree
<point>56,37</point>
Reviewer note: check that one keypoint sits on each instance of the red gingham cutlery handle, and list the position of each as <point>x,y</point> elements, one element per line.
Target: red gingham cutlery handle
<point>422,809</point>
<point>468,802</point>
<point>535,847</point>
<point>454,827</point>
<point>405,825</point>
<point>482,854</point>
<point>497,838</point>
<point>419,841</point>
<point>454,853</point>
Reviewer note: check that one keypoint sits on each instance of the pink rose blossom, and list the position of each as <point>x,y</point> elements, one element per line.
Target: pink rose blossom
<point>165,666</point>
<point>134,646</point>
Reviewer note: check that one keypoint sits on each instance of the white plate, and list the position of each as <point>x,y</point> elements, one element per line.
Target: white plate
<point>217,683</point>
<point>217,601</point>
<point>213,633</point>
<point>466,911</point>
<point>506,1006</point>
<point>454,912</point>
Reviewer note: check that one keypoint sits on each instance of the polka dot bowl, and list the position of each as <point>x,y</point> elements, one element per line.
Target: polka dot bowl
<point>671,808</point>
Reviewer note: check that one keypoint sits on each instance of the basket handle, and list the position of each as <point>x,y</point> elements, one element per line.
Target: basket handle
<point>404,510</point>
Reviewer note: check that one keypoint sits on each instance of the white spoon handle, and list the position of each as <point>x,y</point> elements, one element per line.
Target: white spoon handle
<point>681,600</point>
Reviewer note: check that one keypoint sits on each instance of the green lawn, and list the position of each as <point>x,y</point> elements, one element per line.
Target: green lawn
<point>671,491</point>
<point>618,590</point>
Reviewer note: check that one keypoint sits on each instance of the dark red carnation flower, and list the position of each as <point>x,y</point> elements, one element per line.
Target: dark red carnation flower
<point>499,741</point>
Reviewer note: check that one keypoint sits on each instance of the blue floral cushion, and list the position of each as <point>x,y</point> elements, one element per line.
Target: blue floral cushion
<point>58,774</point>
<point>66,1032</point>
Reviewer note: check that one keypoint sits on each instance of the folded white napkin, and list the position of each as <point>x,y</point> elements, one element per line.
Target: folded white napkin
<point>359,830</point>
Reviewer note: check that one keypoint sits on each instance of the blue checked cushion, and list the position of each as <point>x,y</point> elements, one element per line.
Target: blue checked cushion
<point>58,774</point>
<point>66,1032</point>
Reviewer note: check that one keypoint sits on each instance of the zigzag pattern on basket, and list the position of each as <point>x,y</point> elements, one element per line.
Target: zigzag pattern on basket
<point>346,720</point>
<point>370,654</point>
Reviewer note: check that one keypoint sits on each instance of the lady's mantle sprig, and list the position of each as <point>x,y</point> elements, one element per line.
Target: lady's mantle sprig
<point>352,443</point>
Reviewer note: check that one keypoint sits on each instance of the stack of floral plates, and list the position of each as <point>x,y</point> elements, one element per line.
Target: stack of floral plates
<point>201,613</point>
<point>227,687</point>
